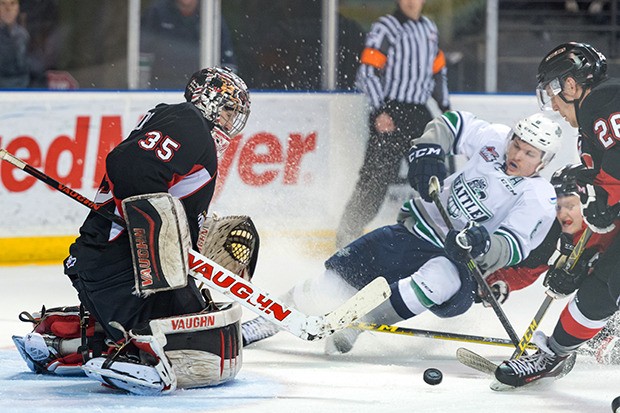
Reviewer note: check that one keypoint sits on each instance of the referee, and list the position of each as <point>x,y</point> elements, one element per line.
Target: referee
<point>401,68</point>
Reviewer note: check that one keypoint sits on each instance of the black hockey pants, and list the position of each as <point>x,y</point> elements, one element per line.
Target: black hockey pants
<point>108,293</point>
<point>382,161</point>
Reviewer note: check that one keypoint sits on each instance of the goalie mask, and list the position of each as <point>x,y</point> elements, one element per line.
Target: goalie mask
<point>223,99</point>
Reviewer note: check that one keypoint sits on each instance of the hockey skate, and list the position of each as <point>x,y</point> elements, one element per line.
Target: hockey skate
<point>41,353</point>
<point>527,369</point>
<point>341,342</point>
<point>127,374</point>
<point>257,329</point>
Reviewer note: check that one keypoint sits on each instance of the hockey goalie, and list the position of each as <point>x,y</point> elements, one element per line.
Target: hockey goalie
<point>142,326</point>
<point>199,349</point>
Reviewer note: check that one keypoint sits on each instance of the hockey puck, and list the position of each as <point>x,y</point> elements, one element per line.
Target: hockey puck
<point>615,405</point>
<point>432,376</point>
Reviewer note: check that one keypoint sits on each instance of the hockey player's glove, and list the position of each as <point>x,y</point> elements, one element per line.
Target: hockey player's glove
<point>499,289</point>
<point>474,239</point>
<point>598,215</point>
<point>563,282</point>
<point>426,160</point>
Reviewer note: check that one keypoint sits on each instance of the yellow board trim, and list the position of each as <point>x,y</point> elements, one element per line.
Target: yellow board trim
<point>54,249</point>
<point>34,250</point>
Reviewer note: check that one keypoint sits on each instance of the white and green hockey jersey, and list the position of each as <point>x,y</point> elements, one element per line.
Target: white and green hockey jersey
<point>517,211</point>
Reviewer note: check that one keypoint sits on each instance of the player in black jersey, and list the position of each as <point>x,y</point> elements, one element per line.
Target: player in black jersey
<point>174,151</point>
<point>572,80</point>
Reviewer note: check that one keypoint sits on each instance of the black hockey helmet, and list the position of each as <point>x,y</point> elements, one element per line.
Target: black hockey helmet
<point>216,88</point>
<point>564,180</point>
<point>580,61</point>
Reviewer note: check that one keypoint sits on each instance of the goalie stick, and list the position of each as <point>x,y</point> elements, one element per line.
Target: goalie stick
<point>215,276</point>
<point>433,191</point>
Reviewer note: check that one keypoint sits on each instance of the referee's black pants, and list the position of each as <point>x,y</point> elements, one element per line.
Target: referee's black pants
<point>384,154</point>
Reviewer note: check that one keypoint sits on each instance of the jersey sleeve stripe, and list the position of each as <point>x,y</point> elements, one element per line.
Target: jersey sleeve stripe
<point>516,251</point>
<point>190,184</point>
<point>420,226</point>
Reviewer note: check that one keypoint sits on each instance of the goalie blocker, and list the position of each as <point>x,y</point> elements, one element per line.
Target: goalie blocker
<point>160,240</point>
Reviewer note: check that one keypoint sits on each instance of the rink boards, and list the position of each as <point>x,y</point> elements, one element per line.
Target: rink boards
<point>292,169</point>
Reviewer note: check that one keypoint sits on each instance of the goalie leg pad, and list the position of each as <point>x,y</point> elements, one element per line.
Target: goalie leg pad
<point>194,350</point>
<point>160,241</point>
<point>205,349</point>
<point>60,340</point>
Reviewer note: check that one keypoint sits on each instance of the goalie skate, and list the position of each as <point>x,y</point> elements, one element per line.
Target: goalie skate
<point>33,365</point>
<point>125,375</point>
<point>41,356</point>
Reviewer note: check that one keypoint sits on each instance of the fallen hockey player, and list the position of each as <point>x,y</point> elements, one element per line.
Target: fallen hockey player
<point>501,206</point>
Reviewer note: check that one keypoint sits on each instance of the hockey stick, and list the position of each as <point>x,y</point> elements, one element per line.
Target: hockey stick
<point>480,363</point>
<point>433,191</point>
<point>440,335</point>
<point>213,275</point>
<point>567,265</point>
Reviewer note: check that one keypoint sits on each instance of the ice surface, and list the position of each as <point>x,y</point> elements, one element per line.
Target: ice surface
<point>383,373</point>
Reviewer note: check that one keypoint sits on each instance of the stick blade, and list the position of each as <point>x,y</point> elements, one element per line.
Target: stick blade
<point>475,361</point>
<point>366,299</point>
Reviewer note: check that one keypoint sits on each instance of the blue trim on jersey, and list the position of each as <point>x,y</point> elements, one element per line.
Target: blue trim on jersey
<point>398,304</point>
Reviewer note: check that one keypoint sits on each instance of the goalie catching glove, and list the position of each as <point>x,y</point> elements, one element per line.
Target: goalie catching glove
<point>231,241</point>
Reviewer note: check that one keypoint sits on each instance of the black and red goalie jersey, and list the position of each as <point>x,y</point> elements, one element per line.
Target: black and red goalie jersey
<point>171,150</point>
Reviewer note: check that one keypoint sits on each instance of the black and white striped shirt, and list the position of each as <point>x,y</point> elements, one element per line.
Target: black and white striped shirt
<point>402,62</point>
